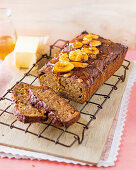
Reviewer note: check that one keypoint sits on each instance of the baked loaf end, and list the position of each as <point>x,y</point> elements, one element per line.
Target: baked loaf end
<point>60,111</point>
<point>82,66</point>
<point>23,110</point>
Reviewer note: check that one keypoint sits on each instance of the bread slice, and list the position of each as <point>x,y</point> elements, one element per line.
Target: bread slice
<point>60,112</point>
<point>23,110</point>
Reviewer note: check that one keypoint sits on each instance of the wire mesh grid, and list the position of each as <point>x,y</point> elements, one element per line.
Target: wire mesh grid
<point>75,137</point>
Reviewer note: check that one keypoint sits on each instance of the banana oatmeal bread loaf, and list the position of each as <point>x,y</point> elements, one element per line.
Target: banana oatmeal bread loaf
<point>23,110</point>
<point>60,112</point>
<point>82,66</point>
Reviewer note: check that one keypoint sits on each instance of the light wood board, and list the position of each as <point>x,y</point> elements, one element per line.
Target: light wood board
<point>95,137</point>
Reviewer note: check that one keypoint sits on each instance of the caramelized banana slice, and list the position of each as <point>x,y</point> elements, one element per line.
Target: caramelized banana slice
<point>63,66</point>
<point>86,41</point>
<point>95,43</point>
<point>86,50</point>
<point>78,64</point>
<point>94,36</point>
<point>78,55</point>
<point>90,37</point>
<point>64,57</point>
<point>93,50</point>
<point>77,44</point>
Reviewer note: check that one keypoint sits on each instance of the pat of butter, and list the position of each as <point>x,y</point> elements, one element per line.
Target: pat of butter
<point>24,59</point>
<point>28,50</point>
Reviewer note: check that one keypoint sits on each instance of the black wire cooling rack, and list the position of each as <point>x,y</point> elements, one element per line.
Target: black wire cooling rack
<point>83,126</point>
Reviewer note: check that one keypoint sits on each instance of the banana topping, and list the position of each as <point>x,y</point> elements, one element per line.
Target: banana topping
<point>63,66</point>
<point>93,50</point>
<point>64,57</point>
<point>90,37</point>
<point>65,62</point>
<point>78,55</point>
<point>78,64</point>
<point>95,43</point>
<point>77,44</point>
<point>86,41</point>
<point>86,50</point>
<point>87,37</point>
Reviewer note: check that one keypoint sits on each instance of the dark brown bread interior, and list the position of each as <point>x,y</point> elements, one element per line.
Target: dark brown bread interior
<point>60,111</point>
<point>81,83</point>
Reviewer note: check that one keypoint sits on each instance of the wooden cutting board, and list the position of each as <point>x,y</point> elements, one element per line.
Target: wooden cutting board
<point>95,137</point>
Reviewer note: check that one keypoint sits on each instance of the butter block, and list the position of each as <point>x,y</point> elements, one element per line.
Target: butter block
<point>28,50</point>
<point>23,60</point>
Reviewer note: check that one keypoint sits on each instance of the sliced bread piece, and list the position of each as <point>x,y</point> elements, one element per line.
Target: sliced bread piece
<point>60,111</point>
<point>24,111</point>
